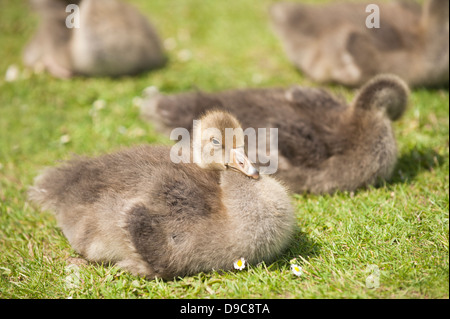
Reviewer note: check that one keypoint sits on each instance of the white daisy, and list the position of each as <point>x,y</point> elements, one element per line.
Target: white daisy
<point>12,73</point>
<point>239,264</point>
<point>184,55</point>
<point>99,105</point>
<point>64,139</point>
<point>297,270</point>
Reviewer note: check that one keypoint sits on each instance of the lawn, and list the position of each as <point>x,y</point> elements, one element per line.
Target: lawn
<point>400,229</point>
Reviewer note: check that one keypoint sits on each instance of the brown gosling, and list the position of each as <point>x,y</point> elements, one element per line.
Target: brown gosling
<point>325,145</point>
<point>331,42</point>
<point>156,218</point>
<point>113,39</point>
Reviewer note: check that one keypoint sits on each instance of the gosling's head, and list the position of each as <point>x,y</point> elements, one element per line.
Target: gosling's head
<point>218,141</point>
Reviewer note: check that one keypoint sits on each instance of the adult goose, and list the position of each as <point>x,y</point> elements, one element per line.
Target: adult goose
<point>92,38</point>
<point>160,219</point>
<point>350,42</point>
<point>325,145</point>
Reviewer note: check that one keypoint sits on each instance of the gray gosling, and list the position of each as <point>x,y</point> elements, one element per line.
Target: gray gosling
<point>113,39</point>
<point>331,42</point>
<point>156,218</point>
<point>325,145</point>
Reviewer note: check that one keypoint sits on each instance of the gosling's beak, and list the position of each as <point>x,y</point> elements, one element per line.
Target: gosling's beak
<point>240,162</point>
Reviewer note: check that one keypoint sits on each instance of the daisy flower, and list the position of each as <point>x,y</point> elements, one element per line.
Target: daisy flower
<point>297,270</point>
<point>239,264</point>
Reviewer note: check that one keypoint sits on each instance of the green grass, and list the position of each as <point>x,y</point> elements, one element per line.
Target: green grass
<point>401,227</point>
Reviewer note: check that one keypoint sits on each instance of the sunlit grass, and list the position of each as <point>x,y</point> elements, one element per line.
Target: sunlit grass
<point>401,227</point>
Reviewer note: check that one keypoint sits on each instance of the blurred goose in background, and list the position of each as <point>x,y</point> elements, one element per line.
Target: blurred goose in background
<point>331,42</point>
<point>113,39</point>
<point>160,219</point>
<point>325,145</point>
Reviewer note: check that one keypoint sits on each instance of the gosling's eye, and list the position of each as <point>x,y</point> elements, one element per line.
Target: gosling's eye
<point>215,141</point>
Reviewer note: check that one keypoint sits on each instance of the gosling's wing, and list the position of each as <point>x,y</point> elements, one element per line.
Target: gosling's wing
<point>83,180</point>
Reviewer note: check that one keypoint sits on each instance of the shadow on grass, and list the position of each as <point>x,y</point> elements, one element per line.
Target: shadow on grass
<point>414,162</point>
<point>301,245</point>
<point>408,166</point>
